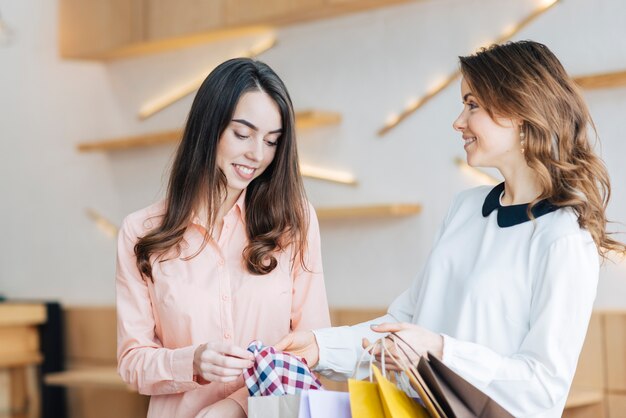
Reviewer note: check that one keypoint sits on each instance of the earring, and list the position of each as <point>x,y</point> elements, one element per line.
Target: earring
<point>522,135</point>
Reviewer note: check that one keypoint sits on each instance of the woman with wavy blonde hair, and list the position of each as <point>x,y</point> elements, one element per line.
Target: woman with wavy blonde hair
<point>506,294</point>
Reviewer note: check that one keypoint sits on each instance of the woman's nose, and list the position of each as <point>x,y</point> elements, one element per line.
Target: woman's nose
<point>459,124</point>
<point>255,152</point>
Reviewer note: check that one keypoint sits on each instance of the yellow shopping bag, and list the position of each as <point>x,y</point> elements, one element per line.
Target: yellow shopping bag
<point>365,400</point>
<point>396,403</point>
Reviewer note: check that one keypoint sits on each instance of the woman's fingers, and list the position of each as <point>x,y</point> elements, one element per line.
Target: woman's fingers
<point>233,351</point>
<point>284,343</point>
<point>220,371</point>
<point>226,361</point>
<point>390,327</point>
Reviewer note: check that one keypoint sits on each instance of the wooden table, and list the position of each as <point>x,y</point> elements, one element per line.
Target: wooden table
<point>20,354</point>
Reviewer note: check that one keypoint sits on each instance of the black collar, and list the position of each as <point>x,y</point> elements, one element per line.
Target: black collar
<point>513,214</point>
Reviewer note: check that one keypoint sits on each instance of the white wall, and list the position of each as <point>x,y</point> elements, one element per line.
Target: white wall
<point>365,66</point>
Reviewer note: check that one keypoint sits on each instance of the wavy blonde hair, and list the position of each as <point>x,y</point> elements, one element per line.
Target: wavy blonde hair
<point>524,80</point>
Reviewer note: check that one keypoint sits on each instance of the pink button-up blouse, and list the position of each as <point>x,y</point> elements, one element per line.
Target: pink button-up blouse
<point>210,297</point>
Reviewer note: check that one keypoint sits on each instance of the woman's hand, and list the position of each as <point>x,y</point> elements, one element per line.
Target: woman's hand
<point>226,408</point>
<point>219,362</point>
<point>418,338</point>
<point>302,344</point>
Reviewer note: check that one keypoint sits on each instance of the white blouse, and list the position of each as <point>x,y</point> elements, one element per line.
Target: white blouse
<point>511,297</point>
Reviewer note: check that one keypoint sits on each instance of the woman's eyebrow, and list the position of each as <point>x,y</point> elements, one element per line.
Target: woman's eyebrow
<point>466,96</point>
<point>254,128</point>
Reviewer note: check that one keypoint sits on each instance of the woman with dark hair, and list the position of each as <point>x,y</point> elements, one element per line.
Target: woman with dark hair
<point>505,296</point>
<point>230,256</point>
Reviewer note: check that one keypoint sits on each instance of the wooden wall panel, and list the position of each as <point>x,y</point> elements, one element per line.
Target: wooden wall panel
<point>353,316</point>
<point>106,403</point>
<point>91,27</point>
<point>109,29</point>
<point>616,405</point>
<point>590,370</point>
<point>167,18</point>
<point>615,332</point>
<point>91,335</point>
<point>241,12</point>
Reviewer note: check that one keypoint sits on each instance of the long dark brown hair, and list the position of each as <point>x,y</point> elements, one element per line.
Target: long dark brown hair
<point>276,208</point>
<point>525,81</point>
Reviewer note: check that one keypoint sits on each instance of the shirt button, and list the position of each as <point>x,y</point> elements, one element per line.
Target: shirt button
<point>226,335</point>
<point>220,261</point>
<point>225,298</point>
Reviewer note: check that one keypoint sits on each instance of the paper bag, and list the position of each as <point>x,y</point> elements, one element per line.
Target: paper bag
<point>285,406</point>
<point>396,403</point>
<point>457,397</point>
<point>365,400</point>
<point>324,404</point>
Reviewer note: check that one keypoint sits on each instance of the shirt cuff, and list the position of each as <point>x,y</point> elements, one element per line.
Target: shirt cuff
<point>471,361</point>
<point>336,350</point>
<point>182,364</point>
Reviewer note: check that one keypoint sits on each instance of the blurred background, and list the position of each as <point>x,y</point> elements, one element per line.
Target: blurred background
<point>93,94</point>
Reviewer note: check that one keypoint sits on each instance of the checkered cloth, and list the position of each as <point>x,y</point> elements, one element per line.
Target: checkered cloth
<point>277,373</point>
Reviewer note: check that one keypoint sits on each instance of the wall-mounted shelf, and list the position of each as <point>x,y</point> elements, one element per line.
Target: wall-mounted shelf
<point>476,172</point>
<point>374,211</point>
<point>602,80</point>
<point>105,29</point>
<point>304,120</point>
<point>395,119</point>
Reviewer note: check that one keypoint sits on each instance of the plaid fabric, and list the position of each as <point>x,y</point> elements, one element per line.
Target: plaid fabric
<point>277,373</point>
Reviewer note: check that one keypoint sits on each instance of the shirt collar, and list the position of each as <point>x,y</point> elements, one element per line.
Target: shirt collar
<point>513,214</point>
<point>199,217</point>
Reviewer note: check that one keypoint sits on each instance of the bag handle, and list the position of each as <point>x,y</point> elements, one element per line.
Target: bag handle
<point>368,350</point>
<point>395,335</point>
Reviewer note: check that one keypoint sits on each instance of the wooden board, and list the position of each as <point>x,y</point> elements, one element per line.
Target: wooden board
<point>12,314</point>
<point>616,404</point>
<point>92,402</point>
<point>590,372</point>
<point>91,335</point>
<point>112,29</point>
<point>615,334</point>
<point>98,377</point>
<point>583,403</point>
<point>374,211</point>
<point>602,80</point>
<point>304,120</point>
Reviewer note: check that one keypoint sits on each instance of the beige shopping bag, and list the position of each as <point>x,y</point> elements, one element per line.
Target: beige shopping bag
<point>285,406</point>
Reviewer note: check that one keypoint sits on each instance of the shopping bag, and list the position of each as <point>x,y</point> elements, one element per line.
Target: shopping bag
<point>458,397</point>
<point>416,381</point>
<point>324,404</point>
<point>365,400</point>
<point>284,406</point>
<point>445,393</point>
<point>380,397</point>
<point>396,402</point>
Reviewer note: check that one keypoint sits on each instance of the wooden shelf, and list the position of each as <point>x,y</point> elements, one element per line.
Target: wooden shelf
<point>308,119</point>
<point>12,314</point>
<point>98,377</point>
<point>20,359</point>
<point>602,80</point>
<point>96,29</point>
<point>304,120</point>
<point>583,397</point>
<point>374,211</point>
